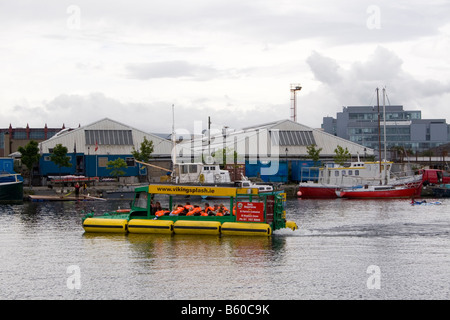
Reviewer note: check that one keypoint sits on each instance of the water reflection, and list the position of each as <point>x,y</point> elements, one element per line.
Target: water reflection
<point>193,249</point>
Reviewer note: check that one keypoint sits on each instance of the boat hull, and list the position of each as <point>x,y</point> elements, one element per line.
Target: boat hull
<point>441,192</point>
<point>11,191</point>
<point>377,194</point>
<point>317,192</point>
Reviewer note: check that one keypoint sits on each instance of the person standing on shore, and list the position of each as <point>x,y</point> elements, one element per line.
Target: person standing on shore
<point>77,190</point>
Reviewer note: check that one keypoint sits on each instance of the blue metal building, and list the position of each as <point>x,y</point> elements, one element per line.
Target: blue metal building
<point>92,146</point>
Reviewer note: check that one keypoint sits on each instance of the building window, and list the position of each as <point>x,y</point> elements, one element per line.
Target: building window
<point>37,134</point>
<point>19,135</point>
<point>130,162</point>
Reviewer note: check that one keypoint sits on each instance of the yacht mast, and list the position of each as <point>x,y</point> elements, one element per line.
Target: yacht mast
<point>384,118</point>
<point>174,151</point>
<point>379,130</point>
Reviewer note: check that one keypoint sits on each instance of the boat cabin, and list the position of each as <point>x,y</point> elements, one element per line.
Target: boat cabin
<point>201,173</point>
<point>170,196</point>
<point>355,173</point>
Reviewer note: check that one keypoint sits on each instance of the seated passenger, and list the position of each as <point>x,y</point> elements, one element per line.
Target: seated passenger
<point>188,206</point>
<point>160,213</point>
<point>213,212</point>
<point>177,211</point>
<point>207,210</point>
<point>196,211</point>
<point>156,207</point>
<point>224,209</point>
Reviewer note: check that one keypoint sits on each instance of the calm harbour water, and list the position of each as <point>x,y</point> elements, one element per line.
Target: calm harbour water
<point>344,249</point>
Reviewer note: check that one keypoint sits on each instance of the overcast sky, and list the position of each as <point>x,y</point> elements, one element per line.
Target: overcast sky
<point>76,62</point>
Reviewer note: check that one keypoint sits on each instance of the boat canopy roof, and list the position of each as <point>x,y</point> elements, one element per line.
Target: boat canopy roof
<point>196,190</point>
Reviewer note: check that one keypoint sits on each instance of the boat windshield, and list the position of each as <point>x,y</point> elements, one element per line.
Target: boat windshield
<point>141,200</point>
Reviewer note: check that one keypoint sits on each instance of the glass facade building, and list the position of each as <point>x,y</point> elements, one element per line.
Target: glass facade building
<point>403,129</point>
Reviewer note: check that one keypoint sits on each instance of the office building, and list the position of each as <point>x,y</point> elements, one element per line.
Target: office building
<point>404,129</point>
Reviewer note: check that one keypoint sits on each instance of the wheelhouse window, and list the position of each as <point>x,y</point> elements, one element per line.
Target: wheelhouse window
<point>141,200</point>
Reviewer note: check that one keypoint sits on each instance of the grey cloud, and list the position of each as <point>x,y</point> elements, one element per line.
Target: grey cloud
<point>384,68</point>
<point>334,22</point>
<point>383,65</point>
<point>85,109</point>
<point>324,69</point>
<point>170,69</point>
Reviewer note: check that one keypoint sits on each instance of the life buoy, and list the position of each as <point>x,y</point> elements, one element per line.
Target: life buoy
<point>201,178</point>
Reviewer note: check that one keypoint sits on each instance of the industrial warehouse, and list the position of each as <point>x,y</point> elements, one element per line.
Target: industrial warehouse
<point>90,148</point>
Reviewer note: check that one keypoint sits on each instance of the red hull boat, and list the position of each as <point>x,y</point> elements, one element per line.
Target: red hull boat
<point>376,192</point>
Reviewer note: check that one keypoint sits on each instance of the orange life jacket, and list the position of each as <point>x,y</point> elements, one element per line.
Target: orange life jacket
<point>161,213</point>
<point>178,210</point>
<point>225,209</point>
<point>209,209</point>
<point>194,211</point>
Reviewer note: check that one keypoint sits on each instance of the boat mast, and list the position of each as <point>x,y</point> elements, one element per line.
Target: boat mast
<point>174,158</point>
<point>174,150</point>
<point>384,118</point>
<point>379,131</point>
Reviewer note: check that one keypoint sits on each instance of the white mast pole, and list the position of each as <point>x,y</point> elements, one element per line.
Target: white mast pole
<point>385,154</point>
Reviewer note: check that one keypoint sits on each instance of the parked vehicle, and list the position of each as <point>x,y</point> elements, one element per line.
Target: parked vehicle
<point>435,176</point>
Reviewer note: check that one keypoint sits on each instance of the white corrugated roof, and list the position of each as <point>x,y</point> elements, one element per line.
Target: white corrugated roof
<point>297,148</point>
<point>76,139</point>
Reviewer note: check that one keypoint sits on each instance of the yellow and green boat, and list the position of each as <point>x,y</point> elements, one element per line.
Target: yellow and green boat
<point>242,211</point>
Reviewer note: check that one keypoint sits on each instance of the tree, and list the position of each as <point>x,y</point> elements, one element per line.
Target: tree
<point>222,155</point>
<point>60,158</point>
<point>145,153</point>
<point>30,156</point>
<point>314,153</point>
<point>116,167</point>
<point>342,155</point>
